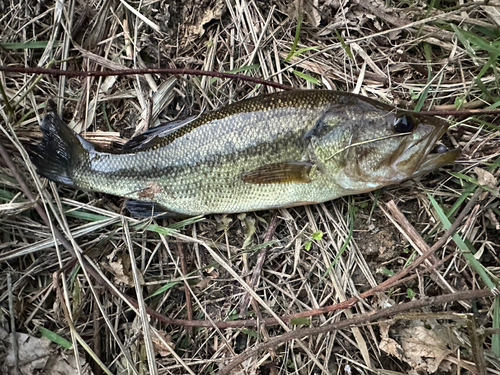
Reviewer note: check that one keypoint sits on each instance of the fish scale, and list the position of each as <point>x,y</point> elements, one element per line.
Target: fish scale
<point>276,150</point>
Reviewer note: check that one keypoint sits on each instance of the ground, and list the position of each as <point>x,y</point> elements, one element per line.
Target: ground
<point>438,56</point>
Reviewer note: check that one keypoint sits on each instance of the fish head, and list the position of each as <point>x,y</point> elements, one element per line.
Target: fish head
<point>381,147</point>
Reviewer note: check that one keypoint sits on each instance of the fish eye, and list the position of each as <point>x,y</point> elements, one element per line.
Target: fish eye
<point>439,149</point>
<point>404,124</point>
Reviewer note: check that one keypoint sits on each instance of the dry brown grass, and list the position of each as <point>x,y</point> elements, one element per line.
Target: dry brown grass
<point>381,49</point>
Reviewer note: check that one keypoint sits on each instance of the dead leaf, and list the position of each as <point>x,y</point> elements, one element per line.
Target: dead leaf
<point>310,9</point>
<point>423,349</point>
<point>493,12</point>
<point>248,368</point>
<point>388,345</point>
<point>116,267</point>
<point>485,178</point>
<point>311,12</point>
<point>223,223</point>
<point>150,191</point>
<point>159,346</point>
<point>118,272</point>
<point>198,14</point>
<point>394,35</point>
<point>203,284</point>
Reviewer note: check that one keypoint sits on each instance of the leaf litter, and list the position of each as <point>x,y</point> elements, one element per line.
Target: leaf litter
<point>37,356</point>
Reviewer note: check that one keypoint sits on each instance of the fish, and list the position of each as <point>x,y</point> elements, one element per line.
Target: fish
<point>276,150</point>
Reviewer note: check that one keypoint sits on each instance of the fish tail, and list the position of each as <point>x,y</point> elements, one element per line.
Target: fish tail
<point>59,153</point>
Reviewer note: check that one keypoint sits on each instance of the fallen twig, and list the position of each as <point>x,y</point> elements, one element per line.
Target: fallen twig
<point>258,266</point>
<point>197,72</point>
<point>187,293</point>
<point>130,72</point>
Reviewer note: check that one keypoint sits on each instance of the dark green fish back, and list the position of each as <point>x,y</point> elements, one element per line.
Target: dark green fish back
<point>299,100</point>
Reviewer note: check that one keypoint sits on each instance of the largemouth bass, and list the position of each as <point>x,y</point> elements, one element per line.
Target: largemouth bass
<point>277,150</point>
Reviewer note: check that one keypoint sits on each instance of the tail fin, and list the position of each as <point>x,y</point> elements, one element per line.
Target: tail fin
<point>60,150</point>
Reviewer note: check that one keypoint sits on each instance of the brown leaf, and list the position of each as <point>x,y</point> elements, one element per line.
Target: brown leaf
<point>120,271</point>
<point>423,349</point>
<point>485,178</point>
<point>203,283</point>
<point>159,346</point>
<point>198,14</point>
<point>387,344</point>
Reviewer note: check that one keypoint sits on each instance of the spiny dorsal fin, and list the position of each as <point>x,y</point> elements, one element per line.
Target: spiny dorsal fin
<point>153,136</point>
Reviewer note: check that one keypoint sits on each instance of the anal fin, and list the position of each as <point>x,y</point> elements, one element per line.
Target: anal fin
<point>142,210</point>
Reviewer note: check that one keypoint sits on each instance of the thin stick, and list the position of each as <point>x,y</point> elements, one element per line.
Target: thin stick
<point>461,112</point>
<point>401,222</point>
<point>15,345</point>
<point>129,72</point>
<point>196,72</point>
<point>254,282</point>
<point>187,293</point>
<point>97,347</point>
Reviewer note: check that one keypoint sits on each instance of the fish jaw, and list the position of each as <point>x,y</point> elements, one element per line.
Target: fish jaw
<point>435,161</point>
<point>418,157</point>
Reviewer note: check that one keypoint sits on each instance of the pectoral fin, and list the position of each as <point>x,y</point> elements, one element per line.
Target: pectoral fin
<point>280,173</point>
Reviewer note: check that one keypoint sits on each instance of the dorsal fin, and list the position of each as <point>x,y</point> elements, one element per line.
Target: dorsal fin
<point>153,136</point>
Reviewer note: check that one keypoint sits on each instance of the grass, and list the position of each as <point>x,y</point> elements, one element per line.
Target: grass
<point>318,255</point>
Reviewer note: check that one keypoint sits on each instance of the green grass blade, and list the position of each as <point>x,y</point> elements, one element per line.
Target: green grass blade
<point>307,77</point>
<point>345,46</point>
<point>305,49</point>
<point>300,321</point>
<point>471,188</point>
<point>6,195</point>
<point>27,45</point>
<point>167,231</point>
<point>467,191</point>
<point>495,339</point>
<point>469,39</point>
<point>423,95</point>
<point>466,251</point>
<point>55,338</point>
<point>87,216</point>
<point>164,288</point>
<point>473,181</point>
<point>297,36</point>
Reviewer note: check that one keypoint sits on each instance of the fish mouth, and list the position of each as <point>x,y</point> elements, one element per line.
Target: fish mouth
<point>425,154</point>
<point>437,160</point>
